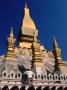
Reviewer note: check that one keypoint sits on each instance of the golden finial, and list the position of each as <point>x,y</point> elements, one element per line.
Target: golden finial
<point>11,33</point>
<point>55,42</point>
<point>11,39</point>
<point>25,4</point>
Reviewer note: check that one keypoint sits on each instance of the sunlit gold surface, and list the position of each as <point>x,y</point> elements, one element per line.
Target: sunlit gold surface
<point>27,21</point>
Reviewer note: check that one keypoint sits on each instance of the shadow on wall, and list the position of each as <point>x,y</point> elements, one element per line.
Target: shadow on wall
<point>22,88</point>
<point>5,88</point>
<point>65,88</point>
<point>32,88</point>
<point>53,88</point>
<point>39,88</point>
<point>60,88</point>
<point>46,88</point>
<point>14,88</point>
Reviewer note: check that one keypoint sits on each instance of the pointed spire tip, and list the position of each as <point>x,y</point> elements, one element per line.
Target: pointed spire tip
<point>11,33</point>
<point>55,42</point>
<point>25,5</point>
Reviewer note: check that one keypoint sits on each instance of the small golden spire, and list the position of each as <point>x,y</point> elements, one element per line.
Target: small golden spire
<point>11,39</point>
<point>11,43</point>
<point>57,53</point>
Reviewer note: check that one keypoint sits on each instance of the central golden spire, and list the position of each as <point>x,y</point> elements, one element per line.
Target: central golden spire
<point>27,21</point>
<point>28,30</point>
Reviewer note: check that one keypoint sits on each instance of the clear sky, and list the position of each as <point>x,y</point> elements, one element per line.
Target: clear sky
<point>50,17</point>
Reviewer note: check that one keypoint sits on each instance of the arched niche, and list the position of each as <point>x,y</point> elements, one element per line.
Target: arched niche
<point>56,78</point>
<point>50,77</point>
<point>4,74</point>
<point>12,74</point>
<point>61,77</point>
<point>45,77</point>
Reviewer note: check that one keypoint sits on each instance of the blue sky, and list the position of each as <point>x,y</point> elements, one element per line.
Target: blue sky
<point>50,17</point>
